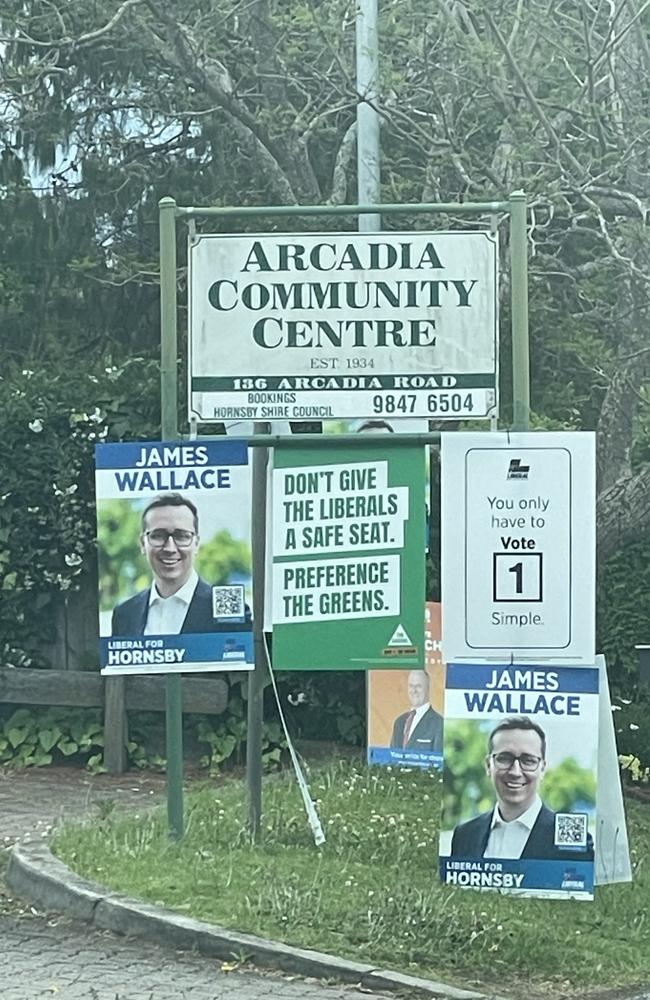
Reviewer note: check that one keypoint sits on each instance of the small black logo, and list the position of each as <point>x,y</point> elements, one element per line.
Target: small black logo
<point>516,470</point>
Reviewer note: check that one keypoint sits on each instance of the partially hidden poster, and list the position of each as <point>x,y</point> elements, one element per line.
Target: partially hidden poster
<point>405,707</point>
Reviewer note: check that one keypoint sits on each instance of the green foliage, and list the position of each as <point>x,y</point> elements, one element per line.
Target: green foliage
<point>35,737</point>
<point>122,567</point>
<point>323,706</point>
<point>225,738</point>
<point>623,606</point>
<point>222,739</point>
<point>569,787</point>
<point>49,424</point>
<point>624,612</point>
<point>144,759</point>
<point>31,738</point>
<point>631,725</point>
<point>222,556</point>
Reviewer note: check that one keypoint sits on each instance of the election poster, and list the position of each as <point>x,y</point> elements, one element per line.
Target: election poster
<point>348,558</point>
<point>612,845</point>
<point>406,707</point>
<point>174,549</point>
<point>518,559</point>
<point>317,326</point>
<point>403,425</point>
<point>520,778</point>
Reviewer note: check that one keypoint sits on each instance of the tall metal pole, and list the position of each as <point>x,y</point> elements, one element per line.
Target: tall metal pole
<point>169,429</point>
<point>368,176</point>
<point>519,307</point>
<point>257,676</point>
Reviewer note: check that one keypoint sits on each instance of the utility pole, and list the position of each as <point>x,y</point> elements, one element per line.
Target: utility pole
<point>169,432</point>
<point>368,180</point>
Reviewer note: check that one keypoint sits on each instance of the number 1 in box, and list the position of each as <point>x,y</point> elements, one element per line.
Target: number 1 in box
<point>517,576</point>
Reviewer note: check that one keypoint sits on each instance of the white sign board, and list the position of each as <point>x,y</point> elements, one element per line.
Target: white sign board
<point>518,546</point>
<point>332,326</point>
<point>613,849</point>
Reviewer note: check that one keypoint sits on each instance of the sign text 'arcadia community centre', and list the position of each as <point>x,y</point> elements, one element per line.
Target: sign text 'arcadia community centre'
<point>348,547</point>
<point>318,326</point>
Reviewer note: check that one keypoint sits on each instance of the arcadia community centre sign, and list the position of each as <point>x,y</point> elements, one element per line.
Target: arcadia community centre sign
<point>318,326</point>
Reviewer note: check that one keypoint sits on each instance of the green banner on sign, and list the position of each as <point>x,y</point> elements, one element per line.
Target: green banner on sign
<point>348,558</point>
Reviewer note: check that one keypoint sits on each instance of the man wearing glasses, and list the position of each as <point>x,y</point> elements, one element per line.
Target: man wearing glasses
<point>178,601</point>
<point>520,825</point>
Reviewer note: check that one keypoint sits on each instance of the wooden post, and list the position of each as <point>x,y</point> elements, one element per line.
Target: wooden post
<point>115,725</point>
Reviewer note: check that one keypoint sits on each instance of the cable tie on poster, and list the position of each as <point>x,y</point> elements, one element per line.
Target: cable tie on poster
<point>312,815</point>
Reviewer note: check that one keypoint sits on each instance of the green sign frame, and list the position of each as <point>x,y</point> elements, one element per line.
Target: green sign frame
<point>514,208</point>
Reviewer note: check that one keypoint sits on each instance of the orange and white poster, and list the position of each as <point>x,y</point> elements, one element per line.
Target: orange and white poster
<point>406,707</point>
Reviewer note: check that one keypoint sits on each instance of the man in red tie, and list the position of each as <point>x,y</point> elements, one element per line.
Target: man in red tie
<point>421,727</point>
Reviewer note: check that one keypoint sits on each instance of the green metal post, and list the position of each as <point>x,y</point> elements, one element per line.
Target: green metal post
<point>314,211</point>
<point>169,428</point>
<point>519,307</point>
<point>257,677</point>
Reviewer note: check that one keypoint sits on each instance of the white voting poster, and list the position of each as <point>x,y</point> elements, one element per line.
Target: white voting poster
<point>518,546</point>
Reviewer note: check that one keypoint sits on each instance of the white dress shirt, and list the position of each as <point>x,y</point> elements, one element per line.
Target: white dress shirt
<point>415,719</point>
<point>419,715</point>
<point>167,614</point>
<point>507,840</point>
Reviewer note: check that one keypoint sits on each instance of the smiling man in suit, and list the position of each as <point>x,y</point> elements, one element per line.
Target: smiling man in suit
<point>178,600</point>
<point>421,727</point>
<point>520,825</point>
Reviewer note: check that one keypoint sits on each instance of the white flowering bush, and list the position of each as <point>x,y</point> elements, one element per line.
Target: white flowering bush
<point>49,424</point>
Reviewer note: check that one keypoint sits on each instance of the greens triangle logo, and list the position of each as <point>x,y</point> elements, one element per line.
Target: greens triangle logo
<point>400,638</point>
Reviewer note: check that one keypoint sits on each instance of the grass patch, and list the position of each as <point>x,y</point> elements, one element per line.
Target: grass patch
<point>371,893</point>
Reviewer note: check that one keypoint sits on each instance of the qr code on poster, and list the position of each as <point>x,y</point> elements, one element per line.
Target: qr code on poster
<point>228,602</point>
<point>570,829</point>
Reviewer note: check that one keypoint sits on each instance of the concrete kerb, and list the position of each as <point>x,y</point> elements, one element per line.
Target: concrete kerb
<point>37,876</point>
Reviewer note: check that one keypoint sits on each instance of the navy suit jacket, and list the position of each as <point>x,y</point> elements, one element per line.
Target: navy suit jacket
<point>470,840</point>
<point>130,617</point>
<point>427,735</point>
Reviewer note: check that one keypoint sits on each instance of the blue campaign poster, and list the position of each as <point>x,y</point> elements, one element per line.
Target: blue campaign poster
<point>520,779</point>
<point>174,554</point>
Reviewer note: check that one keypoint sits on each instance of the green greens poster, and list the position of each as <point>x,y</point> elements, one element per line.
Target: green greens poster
<point>348,557</point>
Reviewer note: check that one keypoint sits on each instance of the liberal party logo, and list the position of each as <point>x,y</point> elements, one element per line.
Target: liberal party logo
<point>516,470</point>
<point>572,880</point>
